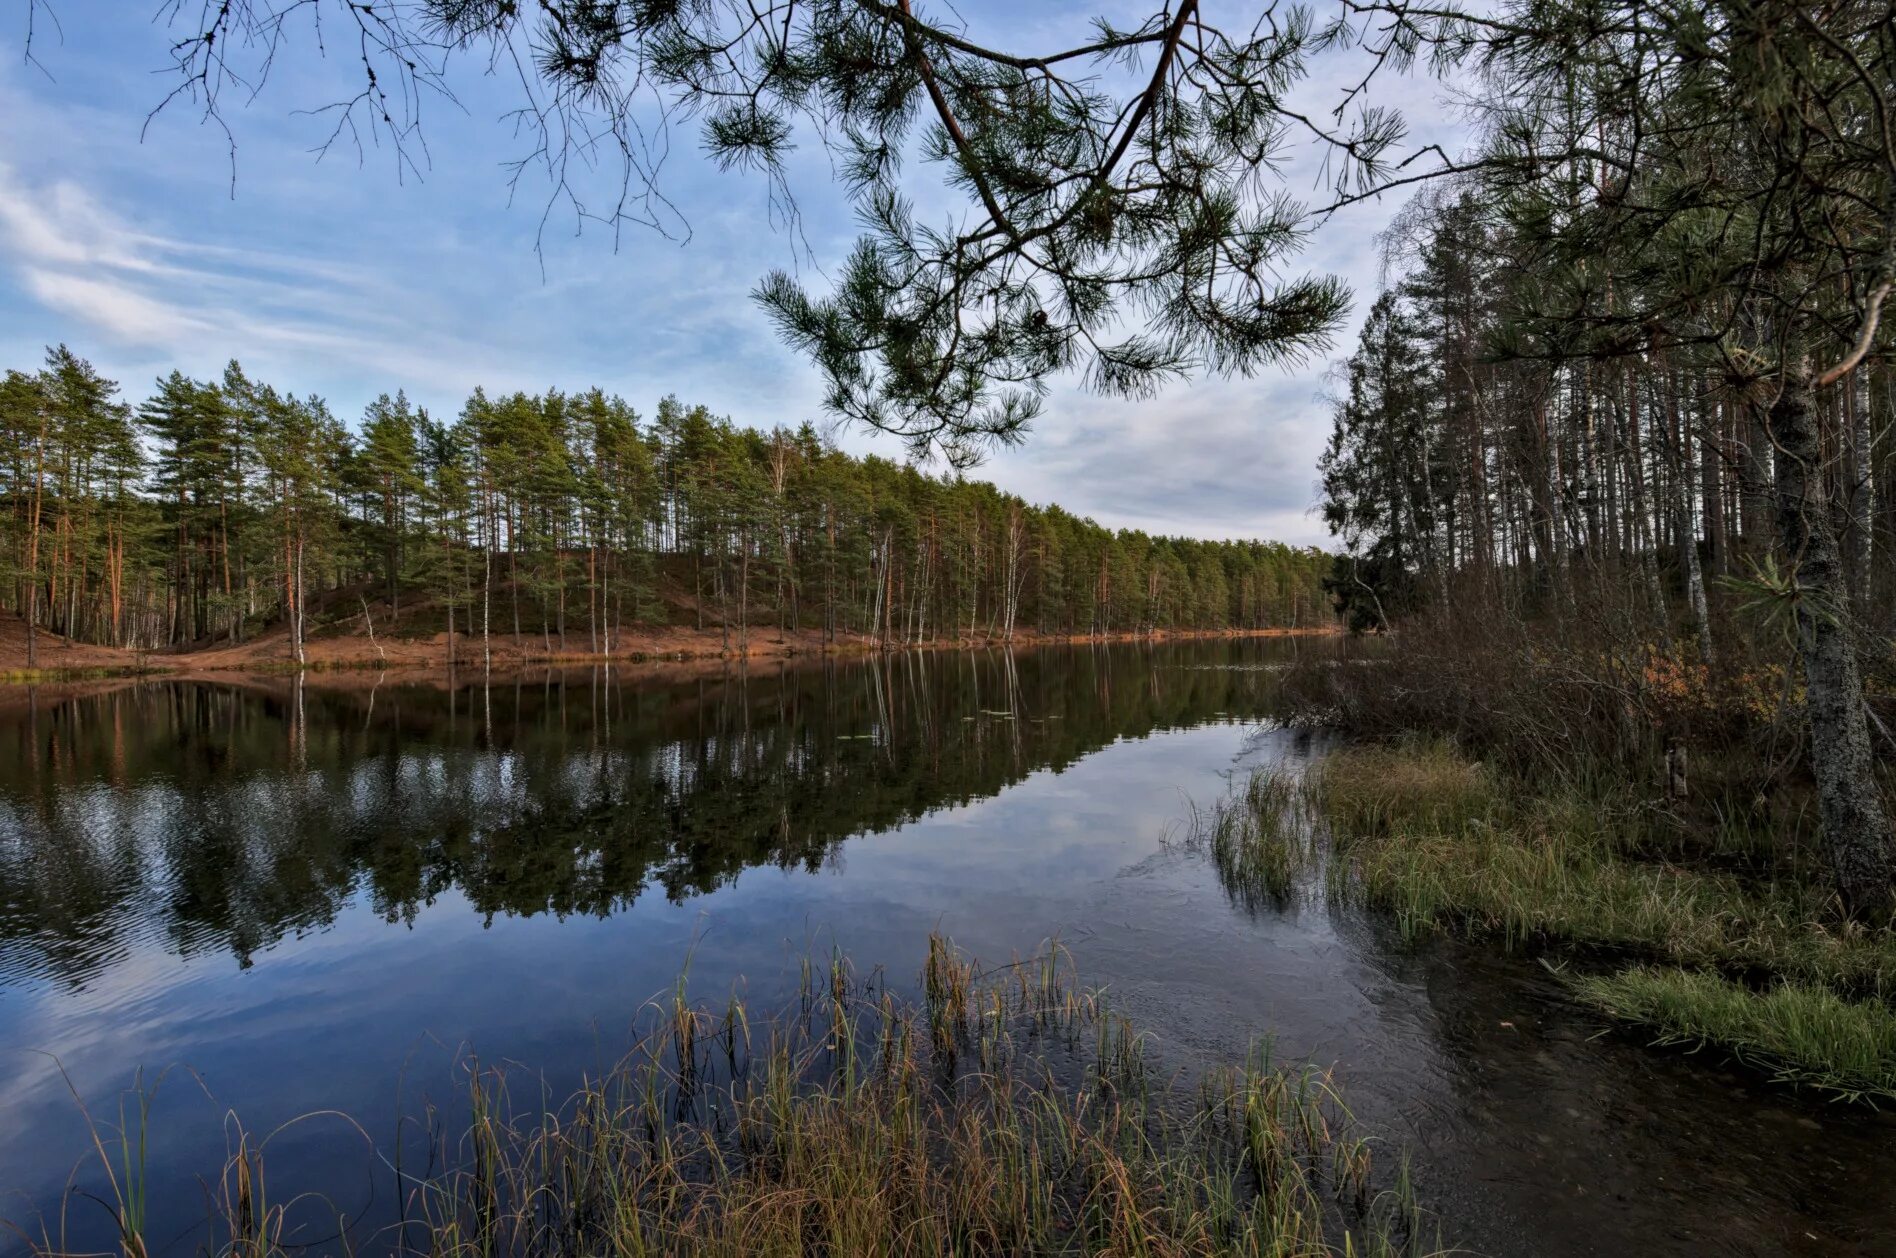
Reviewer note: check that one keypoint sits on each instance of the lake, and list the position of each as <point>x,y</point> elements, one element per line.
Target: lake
<point>275,896</point>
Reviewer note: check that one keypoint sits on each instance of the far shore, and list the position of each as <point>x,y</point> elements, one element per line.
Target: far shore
<point>709,650</point>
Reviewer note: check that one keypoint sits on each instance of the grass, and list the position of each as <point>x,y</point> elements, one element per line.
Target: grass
<point>1438,841</point>
<point>38,676</point>
<point>1257,841</point>
<point>1799,1033</point>
<point>996,1112</point>
<point>1370,791</point>
<point>1735,937</point>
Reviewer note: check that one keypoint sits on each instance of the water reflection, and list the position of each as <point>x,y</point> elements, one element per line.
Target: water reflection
<point>321,895</point>
<point>225,815</point>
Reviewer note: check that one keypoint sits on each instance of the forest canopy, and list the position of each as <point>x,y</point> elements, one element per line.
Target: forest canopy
<point>214,510</point>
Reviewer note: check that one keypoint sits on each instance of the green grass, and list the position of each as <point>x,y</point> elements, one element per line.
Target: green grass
<point>1593,870</point>
<point>1372,791</point>
<point>1801,1034</point>
<point>1257,841</point>
<point>1434,839</point>
<point>995,1113</point>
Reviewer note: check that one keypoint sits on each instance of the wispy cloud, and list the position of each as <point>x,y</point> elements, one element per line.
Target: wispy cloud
<point>183,299</point>
<point>339,281</point>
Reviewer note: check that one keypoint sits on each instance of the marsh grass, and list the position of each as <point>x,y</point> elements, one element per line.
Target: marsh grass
<point>1259,841</point>
<point>1004,1111</point>
<point>1438,841</point>
<point>1372,791</point>
<point>1588,869</point>
<point>1799,1033</point>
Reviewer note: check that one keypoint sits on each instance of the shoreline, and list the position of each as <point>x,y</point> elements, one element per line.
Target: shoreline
<point>61,661</point>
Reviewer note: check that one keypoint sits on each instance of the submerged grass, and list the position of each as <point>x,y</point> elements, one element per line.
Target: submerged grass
<point>1258,841</point>
<point>1001,1112</point>
<point>1800,1033</point>
<point>1434,838</point>
<point>1738,941</point>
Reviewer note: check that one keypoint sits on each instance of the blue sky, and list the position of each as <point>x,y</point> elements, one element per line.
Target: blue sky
<point>348,276</point>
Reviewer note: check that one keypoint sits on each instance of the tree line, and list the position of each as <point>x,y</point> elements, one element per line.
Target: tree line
<point>1632,386</point>
<point>1452,466</point>
<point>217,510</point>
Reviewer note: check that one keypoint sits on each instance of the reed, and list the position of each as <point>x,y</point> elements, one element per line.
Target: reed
<point>1005,1111</point>
<point>1259,841</point>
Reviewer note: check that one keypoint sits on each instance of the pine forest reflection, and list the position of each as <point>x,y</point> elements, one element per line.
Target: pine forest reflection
<point>223,816</point>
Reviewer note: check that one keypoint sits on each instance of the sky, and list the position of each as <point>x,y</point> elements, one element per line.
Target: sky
<point>348,273</point>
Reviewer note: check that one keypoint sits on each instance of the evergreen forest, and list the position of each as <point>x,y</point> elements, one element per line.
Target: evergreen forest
<point>214,511</point>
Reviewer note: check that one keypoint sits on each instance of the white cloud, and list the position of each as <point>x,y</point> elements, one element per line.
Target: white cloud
<point>340,281</point>
<point>184,300</point>
<point>116,308</point>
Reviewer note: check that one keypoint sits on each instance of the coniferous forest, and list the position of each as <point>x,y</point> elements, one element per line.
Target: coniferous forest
<point>1465,465</point>
<point>1623,428</point>
<point>216,510</point>
<point>1550,911</point>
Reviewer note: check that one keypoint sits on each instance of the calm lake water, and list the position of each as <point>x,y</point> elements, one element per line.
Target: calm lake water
<point>323,895</point>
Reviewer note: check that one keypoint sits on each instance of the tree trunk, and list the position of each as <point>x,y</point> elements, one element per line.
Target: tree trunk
<point>296,618</point>
<point>1755,478</point>
<point>1856,832</point>
<point>1714,447</point>
<point>1862,486</point>
<point>487,594</point>
<point>447,565</point>
<point>1683,479</point>
<point>32,552</point>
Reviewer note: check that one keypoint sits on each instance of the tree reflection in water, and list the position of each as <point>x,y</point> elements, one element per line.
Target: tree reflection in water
<point>228,813</point>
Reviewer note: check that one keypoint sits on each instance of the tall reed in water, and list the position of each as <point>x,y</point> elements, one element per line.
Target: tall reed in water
<point>1005,1112</point>
<point>1258,840</point>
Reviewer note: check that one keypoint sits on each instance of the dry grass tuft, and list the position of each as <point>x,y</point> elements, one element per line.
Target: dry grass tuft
<point>1005,1112</point>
